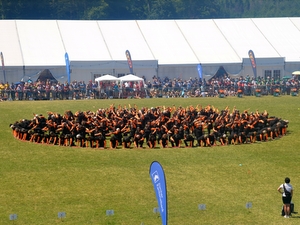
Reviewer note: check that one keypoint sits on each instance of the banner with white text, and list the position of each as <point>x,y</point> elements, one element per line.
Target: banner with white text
<point>128,56</point>
<point>159,183</point>
<point>253,62</point>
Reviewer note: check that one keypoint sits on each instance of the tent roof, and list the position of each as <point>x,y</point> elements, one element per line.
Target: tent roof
<point>167,42</point>
<point>9,44</point>
<point>106,78</point>
<point>40,42</point>
<point>83,40</point>
<point>125,35</point>
<point>131,77</point>
<point>45,75</point>
<point>171,42</point>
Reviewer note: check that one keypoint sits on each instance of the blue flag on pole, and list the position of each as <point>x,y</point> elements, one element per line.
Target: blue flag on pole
<point>199,68</point>
<point>159,183</point>
<point>68,66</point>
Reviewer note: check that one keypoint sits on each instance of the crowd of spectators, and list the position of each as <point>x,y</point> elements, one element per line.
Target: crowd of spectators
<point>248,86</point>
<point>155,127</point>
<point>155,87</point>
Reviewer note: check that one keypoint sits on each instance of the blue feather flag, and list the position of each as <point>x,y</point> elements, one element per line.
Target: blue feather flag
<point>199,68</point>
<point>68,67</point>
<point>159,183</point>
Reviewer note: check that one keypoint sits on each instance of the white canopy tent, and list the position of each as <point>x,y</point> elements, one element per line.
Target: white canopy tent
<point>104,85</point>
<point>107,77</point>
<point>132,78</point>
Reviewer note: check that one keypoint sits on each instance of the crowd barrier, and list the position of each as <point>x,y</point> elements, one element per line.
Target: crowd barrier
<point>157,92</point>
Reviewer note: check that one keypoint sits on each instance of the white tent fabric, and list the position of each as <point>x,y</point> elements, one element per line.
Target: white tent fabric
<point>283,35</point>
<point>83,40</point>
<point>9,44</point>
<point>122,36</point>
<point>170,48</point>
<point>207,41</point>
<point>107,78</point>
<point>167,42</point>
<point>243,35</point>
<point>40,42</point>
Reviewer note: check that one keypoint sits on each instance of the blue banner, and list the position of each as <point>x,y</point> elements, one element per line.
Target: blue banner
<point>199,68</point>
<point>253,62</point>
<point>3,67</point>
<point>159,183</point>
<point>68,67</point>
<point>128,56</point>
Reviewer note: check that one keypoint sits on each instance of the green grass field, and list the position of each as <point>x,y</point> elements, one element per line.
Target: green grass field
<point>38,181</point>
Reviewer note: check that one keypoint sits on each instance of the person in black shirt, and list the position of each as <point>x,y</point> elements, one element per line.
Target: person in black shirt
<point>114,139</point>
<point>100,139</point>
<point>188,138</point>
<point>138,138</point>
<point>175,139</point>
<point>164,141</point>
<point>152,139</point>
<point>198,133</point>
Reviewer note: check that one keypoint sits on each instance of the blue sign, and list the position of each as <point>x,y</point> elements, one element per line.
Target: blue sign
<point>157,176</point>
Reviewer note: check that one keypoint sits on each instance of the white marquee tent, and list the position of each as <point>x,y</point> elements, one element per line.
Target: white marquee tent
<point>132,78</point>
<point>171,48</point>
<point>107,77</point>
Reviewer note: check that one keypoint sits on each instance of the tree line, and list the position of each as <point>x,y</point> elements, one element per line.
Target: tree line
<point>146,9</point>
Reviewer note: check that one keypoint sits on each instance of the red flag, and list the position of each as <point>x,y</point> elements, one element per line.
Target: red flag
<point>253,62</point>
<point>128,56</point>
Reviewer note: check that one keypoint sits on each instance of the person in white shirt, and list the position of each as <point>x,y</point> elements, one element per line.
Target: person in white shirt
<point>286,190</point>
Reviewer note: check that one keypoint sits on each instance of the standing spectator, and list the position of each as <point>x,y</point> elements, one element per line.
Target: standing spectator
<point>19,90</point>
<point>288,87</point>
<point>89,88</point>
<point>66,90</point>
<point>13,91</point>
<point>82,89</point>
<point>287,191</point>
<point>47,89</point>
<point>53,91</point>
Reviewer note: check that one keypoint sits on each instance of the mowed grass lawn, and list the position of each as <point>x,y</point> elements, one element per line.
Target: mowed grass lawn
<point>38,181</point>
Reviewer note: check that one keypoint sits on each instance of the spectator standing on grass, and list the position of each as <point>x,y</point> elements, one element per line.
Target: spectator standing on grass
<point>286,190</point>
<point>12,91</point>
<point>19,90</point>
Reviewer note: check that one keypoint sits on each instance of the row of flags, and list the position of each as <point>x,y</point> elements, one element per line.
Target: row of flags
<point>129,61</point>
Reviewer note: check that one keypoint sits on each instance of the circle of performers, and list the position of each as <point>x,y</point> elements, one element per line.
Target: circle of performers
<point>155,127</point>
